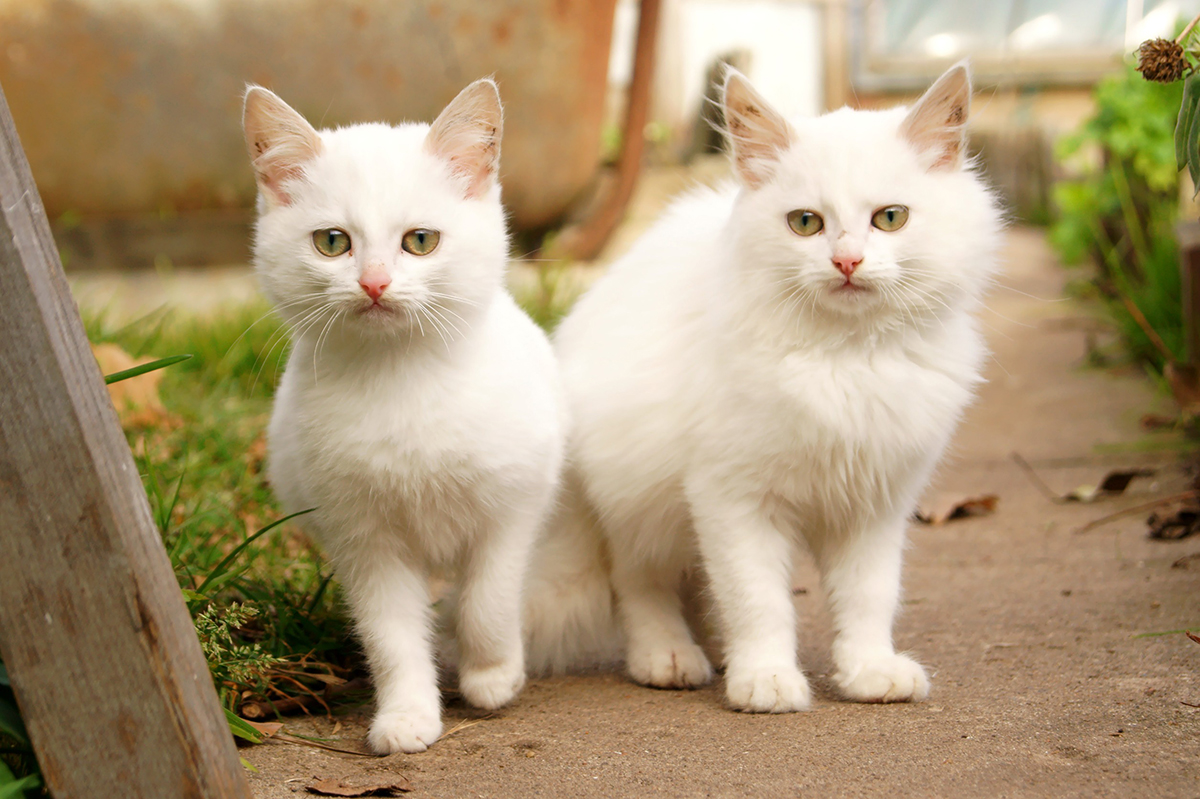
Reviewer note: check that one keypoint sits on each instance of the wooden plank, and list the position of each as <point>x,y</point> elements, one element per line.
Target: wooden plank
<point>105,663</point>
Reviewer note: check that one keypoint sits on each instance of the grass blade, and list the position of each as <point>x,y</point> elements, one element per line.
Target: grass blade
<point>125,374</point>
<point>16,790</point>
<point>220,568</point>
<point>241,729</point>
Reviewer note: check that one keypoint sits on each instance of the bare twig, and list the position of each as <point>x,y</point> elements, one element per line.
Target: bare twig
<point>1037,481</point>
<point>1150,332</point>
<point>462,725</point>
<point>283,737</point>
<point>298,704</point>
<point>1179,39</point>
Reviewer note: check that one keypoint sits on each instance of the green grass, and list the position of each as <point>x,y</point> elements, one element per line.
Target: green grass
<point>267,613</point>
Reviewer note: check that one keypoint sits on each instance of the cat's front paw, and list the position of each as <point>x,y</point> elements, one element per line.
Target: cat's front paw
<point>403,731</point>
<point>494,686</point>
<point>894,678</point>
<point>682,665</point>
<point>783,689</point>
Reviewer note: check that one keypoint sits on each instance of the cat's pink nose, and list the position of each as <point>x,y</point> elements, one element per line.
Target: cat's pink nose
<point>375,282</point>
<point>846,264</point>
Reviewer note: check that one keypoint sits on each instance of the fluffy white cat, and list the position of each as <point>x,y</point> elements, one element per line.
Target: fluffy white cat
<point>420,412</point>
<point>776,364</point>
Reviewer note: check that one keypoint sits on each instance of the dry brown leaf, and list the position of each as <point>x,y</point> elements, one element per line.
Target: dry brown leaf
<point>944,511</point>
<point>265,728</point>
<point>395,785</point>
<point>136,399</point>
<point>1171,525</point>
<point>1113,484</point>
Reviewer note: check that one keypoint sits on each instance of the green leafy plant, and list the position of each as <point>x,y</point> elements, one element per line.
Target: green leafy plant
<point>1122,207</point>
<point>19,775</point>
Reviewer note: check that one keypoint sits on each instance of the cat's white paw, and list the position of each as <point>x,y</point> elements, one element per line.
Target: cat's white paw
<point>894,678</point>
<point>403,731</point>
<point>494,686</point>
<point>680,666</point>
<point>767,690</point>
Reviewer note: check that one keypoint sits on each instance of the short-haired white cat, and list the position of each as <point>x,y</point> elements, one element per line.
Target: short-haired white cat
<point>776,365</point>
<point>420,411</point>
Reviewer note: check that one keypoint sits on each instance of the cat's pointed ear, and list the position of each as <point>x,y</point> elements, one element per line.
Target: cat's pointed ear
<point>280,142</point>
<point>938,122</point>
<point>757,133</point>
<point>467,136</point>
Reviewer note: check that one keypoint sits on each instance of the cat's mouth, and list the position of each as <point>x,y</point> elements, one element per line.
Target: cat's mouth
<point>375,309</point>
<point>848,286</point>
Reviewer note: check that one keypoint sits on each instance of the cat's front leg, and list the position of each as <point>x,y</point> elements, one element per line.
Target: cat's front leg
<point>861,575</point>
<point>390,604</point>
<point>492,668</point>
<point>749,569</point>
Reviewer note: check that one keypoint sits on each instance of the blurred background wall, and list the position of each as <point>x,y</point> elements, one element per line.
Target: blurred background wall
<point>129,110</point>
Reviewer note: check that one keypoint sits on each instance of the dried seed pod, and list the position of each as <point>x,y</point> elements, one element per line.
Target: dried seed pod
<point>1161,60</point>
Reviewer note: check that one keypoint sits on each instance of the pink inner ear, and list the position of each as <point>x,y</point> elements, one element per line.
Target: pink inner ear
<point>938,121</point>
<point>467,136</point>
<point>280,142</point>
<point>758,134</point>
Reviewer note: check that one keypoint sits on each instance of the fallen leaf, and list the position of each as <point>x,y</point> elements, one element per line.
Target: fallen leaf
<point>1113,484</point>
<point>395,785</point>
<point>946,511</point>
<point>265,728</point>
<point>1117,482</point>
<point>1173,525</point>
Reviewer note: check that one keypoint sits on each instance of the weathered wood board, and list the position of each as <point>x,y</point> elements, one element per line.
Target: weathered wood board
<point>99,645</point>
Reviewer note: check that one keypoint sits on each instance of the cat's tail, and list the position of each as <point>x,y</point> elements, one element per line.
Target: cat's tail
<point>569,618</point>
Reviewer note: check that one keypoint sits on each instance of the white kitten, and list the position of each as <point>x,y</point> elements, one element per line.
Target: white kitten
<point>420,412</point>
<point>778,362</point>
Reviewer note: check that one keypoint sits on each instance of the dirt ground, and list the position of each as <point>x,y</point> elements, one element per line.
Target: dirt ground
<point>1041,685</point>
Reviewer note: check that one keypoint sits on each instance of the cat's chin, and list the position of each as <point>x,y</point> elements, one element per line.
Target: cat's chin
<point>849,296</point>
<point>382,318</point>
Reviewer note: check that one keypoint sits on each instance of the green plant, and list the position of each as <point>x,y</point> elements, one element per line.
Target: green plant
<point>18,767</point>
<point>1122,207</point>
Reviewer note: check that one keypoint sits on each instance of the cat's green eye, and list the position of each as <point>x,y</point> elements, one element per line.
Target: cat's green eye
<point>420,241</point>
<point>331,242</point>
<point>805,222</point>
<point>890,218</point>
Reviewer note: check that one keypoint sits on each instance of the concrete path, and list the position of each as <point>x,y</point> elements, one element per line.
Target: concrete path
<point>1041,687</point>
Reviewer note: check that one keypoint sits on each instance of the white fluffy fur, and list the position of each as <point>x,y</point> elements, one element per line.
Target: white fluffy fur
<point>730,399</point>
<point>427,429</point>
